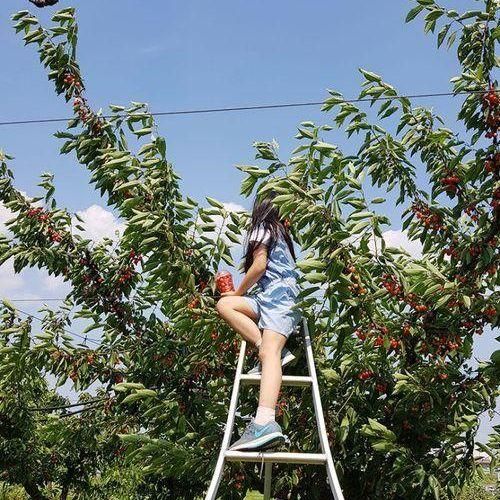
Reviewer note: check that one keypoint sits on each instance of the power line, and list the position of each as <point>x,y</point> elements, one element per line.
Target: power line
<point>32,300</point>
<point>85,339</point>
<point>257,107</point>
<point>72,405</point>
<point>86,408</point>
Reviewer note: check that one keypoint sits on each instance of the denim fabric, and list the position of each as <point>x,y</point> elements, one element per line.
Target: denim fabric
<point>280,264</point>
<point>276,292</point>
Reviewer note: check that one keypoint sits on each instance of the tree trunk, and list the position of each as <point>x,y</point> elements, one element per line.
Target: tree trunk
<point>64,492</point>
<point>34,492</point>
<point>43,3</point>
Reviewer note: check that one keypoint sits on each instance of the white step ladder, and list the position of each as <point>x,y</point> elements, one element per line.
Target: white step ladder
<point>323,458</point>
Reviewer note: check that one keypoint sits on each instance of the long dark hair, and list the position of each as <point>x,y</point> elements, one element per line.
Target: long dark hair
<point>266,215</point>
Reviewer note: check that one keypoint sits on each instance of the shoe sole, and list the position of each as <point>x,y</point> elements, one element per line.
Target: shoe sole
<point>285,361</point>
<point>272,444</point>
<point>260,443</point>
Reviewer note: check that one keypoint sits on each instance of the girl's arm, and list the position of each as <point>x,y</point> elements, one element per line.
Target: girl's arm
<point>256,270</point>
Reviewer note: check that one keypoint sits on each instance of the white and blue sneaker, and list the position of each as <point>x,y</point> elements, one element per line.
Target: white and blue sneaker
<point>258,437</point>
<point>286,358</point>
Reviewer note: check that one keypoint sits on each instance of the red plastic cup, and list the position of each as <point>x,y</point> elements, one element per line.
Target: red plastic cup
<point>224,282</point>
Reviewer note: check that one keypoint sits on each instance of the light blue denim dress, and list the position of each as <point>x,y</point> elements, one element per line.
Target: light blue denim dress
<point>276,292</point>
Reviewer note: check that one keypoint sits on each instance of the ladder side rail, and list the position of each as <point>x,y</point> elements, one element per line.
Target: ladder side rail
<point>228,431</point>
<point>320,420</point>
<point>268,476</point>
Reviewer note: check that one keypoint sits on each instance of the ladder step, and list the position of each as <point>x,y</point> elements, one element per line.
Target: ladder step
<point>292,380</point>
<point>276,457</point>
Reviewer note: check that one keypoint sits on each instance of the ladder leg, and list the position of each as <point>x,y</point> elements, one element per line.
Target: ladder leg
<point>268,476</point>
<point>228,431</point>
<point>318,410</point>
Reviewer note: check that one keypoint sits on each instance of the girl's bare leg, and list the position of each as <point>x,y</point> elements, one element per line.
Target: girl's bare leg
<point>240,316</point>
<point>270,358</point>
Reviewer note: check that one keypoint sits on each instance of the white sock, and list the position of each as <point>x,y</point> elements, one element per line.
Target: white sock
<point>264,415</point>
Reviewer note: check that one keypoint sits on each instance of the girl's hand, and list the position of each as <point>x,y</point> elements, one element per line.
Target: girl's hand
<point>229,294</point>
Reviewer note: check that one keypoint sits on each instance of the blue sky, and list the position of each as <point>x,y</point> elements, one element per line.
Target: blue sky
<point>184,55</point>
<point>198,54</point>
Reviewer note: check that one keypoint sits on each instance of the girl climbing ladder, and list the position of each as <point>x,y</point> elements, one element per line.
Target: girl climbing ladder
<point>265,318</point>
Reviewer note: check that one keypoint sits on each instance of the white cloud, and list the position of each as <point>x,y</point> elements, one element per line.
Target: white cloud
<point>398,238</point>
<point>37,283</point>
<point>234,207</point>
<point>394,238</point>
<point>9,281</point>
<point>30,283</point>
<point>99,223</point>
<point>54,283</point>
<point>5,215</point>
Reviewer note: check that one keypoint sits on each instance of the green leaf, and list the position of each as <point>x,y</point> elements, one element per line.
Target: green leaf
<point>451,39</point>
<point>495,357</point>
<point>19,15</point>
<point>123,386</point>
<point>376,429</point>
<point>132,398</point>
<point>359,227</point>
<point>330,375</point>
<point>372,77</point>
<point>442,300</point>
<point>162,146</point>
<point>413,13</point>
<point>146,393</point>
<point>442,35</point>
<point>344,428</point>
<point>309,264</point>
<point>93,326</point>
<point>143,131</point>
<point>315,277</point>
<point>467,301</point>
<point>434,15</point>
<point>214,202</point>
<point>44,336</point>
<point>323,146</point>
<point>8,305</point>
<point>231,237</point>
<point>360,215</point>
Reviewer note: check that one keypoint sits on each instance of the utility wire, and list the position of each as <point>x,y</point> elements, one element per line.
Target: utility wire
<point>87,408</point>
<point>31,300</point>
<point>259,106</point>
<point>85,339</point>
<point>72,405</point>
